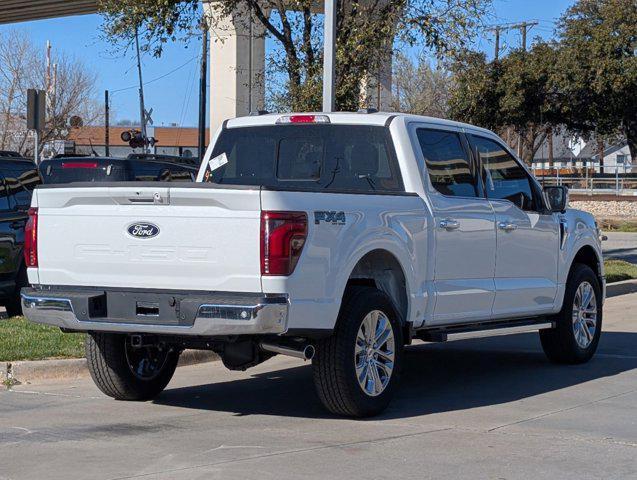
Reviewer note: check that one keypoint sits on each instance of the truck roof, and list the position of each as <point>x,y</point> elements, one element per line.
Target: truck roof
<point>350,118</point>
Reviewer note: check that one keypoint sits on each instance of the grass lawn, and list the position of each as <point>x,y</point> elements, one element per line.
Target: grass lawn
<point>22,340</point>
<point>614,226</point>
<point>618,270</point>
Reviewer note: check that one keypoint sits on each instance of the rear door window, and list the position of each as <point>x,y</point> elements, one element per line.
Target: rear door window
<point>336,158</point>
<point>20,182</point>
<point>448,163</point>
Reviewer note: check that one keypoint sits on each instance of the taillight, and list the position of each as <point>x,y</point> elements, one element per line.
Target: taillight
<point>79,164</point>
<point>31,239</point>
<point>283,235</point>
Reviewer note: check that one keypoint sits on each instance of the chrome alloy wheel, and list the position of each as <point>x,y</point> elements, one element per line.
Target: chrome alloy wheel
<point>584,314</point>
<point>374,353</point>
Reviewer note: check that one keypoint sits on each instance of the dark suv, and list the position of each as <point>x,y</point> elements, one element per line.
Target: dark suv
<point>18,178</point>
<point>138,168</point>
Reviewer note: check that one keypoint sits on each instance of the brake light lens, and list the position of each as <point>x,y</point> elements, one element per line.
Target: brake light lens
<point>287,119</point>
<point>79,164</point>
<point>283,236</point>
<point>31,239</point>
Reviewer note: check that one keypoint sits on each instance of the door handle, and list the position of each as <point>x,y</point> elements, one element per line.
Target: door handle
<point>507,226</point>
<point>449,224</point>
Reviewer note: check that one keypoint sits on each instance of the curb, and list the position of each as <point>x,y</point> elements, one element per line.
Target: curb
<point>28,371</point>
<point>621,288</point>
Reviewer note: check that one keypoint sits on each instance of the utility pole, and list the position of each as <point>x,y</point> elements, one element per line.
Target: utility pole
<point>329,54</point>
<point>524,27</point>
<point>107,126</point>
<point>250,60</point>
<point>497,43</point>
<point>203,86</point>
<point>142,110</point>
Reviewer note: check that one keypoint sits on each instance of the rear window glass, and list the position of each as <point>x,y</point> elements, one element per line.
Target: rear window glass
<point>346,158</point>
<point>113,170</point>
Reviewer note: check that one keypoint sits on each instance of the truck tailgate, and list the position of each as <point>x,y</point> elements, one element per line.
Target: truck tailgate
<point>177,238</point>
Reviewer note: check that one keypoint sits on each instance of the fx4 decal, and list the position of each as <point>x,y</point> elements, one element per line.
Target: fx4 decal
<point>335,218</point>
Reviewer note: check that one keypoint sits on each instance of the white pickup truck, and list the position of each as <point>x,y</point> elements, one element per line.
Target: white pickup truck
<point>332,237</point>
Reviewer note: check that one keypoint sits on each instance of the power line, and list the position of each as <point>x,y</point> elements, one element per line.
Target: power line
<point>157,78</point>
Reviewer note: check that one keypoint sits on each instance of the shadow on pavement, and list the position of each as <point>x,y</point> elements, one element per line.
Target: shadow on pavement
<point>626,254</point>
<point>436,378</point>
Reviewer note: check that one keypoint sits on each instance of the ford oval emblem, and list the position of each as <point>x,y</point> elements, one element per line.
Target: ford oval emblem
<point>143,230</point>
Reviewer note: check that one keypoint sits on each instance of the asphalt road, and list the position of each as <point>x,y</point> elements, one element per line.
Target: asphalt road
<point>622,246</point>
<point>491,408</point>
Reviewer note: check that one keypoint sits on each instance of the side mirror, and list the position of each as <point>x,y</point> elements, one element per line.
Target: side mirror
<point>557,198</point>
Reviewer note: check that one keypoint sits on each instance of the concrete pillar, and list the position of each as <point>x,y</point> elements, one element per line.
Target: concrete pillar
<point>376,90</point>
<point>231,92</point>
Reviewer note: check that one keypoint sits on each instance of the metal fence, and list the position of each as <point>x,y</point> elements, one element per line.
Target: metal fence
<point>614,180</point>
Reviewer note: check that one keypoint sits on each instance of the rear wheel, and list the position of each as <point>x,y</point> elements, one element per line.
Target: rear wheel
<point>356,370</point>
<point>125,372</point>
<point>579,323</point>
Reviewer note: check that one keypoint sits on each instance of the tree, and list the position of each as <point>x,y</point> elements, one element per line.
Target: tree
<point>365,33</point>
<point>419,88</point>
<point>597,81</point>
<point>475,94</point>
<point>70,91</point>
<point>514,92</point>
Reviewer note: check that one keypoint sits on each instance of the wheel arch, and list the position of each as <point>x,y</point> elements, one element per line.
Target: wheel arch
<point>383,270</point>
<point>588,256</point>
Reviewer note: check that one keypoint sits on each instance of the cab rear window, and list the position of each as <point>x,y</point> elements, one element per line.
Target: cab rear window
<point>337,158</point>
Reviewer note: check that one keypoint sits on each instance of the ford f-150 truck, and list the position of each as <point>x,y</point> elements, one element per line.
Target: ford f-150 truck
<point>332,237</point>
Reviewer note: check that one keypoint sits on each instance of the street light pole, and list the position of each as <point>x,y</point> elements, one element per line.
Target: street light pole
<point>329,54</point>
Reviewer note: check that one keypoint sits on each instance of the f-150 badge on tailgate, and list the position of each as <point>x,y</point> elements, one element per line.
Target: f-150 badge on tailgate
<point>143,230</point>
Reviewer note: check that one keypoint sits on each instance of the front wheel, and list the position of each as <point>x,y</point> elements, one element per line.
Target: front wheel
<point>125,372</point>
<point>356,369</point>
<point>579,324</point>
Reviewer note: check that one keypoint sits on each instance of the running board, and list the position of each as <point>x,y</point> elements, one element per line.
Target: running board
<point>480,330</point>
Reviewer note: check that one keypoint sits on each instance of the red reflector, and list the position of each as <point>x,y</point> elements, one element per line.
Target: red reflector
<point>31,239</point>
<point>79,164</point>
<point>283,236</point>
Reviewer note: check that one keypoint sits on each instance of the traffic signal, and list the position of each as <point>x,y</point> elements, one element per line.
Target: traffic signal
<point>135,139</point>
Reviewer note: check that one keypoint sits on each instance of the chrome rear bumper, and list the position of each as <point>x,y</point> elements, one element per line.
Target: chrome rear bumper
<point>263,315</point>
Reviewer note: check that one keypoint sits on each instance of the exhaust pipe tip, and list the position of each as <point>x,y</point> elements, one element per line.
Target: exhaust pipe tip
<point>304,352</point>
<point>309,351</point>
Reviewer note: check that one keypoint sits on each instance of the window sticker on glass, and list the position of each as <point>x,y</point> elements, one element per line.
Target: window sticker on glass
<point>217,162</point>
<point>214,164</point>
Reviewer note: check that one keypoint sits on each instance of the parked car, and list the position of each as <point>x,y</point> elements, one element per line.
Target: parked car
<point>107,169</point>
<point>18,178</point>
<point>337,238</point>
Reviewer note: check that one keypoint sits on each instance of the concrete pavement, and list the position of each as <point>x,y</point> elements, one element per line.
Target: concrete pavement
<point>621,246</point>
<point>490,408</point>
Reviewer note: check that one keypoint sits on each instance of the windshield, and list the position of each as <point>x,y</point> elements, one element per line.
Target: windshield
<point>347,158</point>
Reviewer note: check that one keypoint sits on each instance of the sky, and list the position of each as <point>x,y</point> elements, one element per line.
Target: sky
<point>174,78</point>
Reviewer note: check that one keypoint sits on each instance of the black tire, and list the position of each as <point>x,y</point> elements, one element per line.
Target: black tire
<point>560,344</point>
<point>334,367</point>
<point>13,305</point>
<point>109,367</point>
